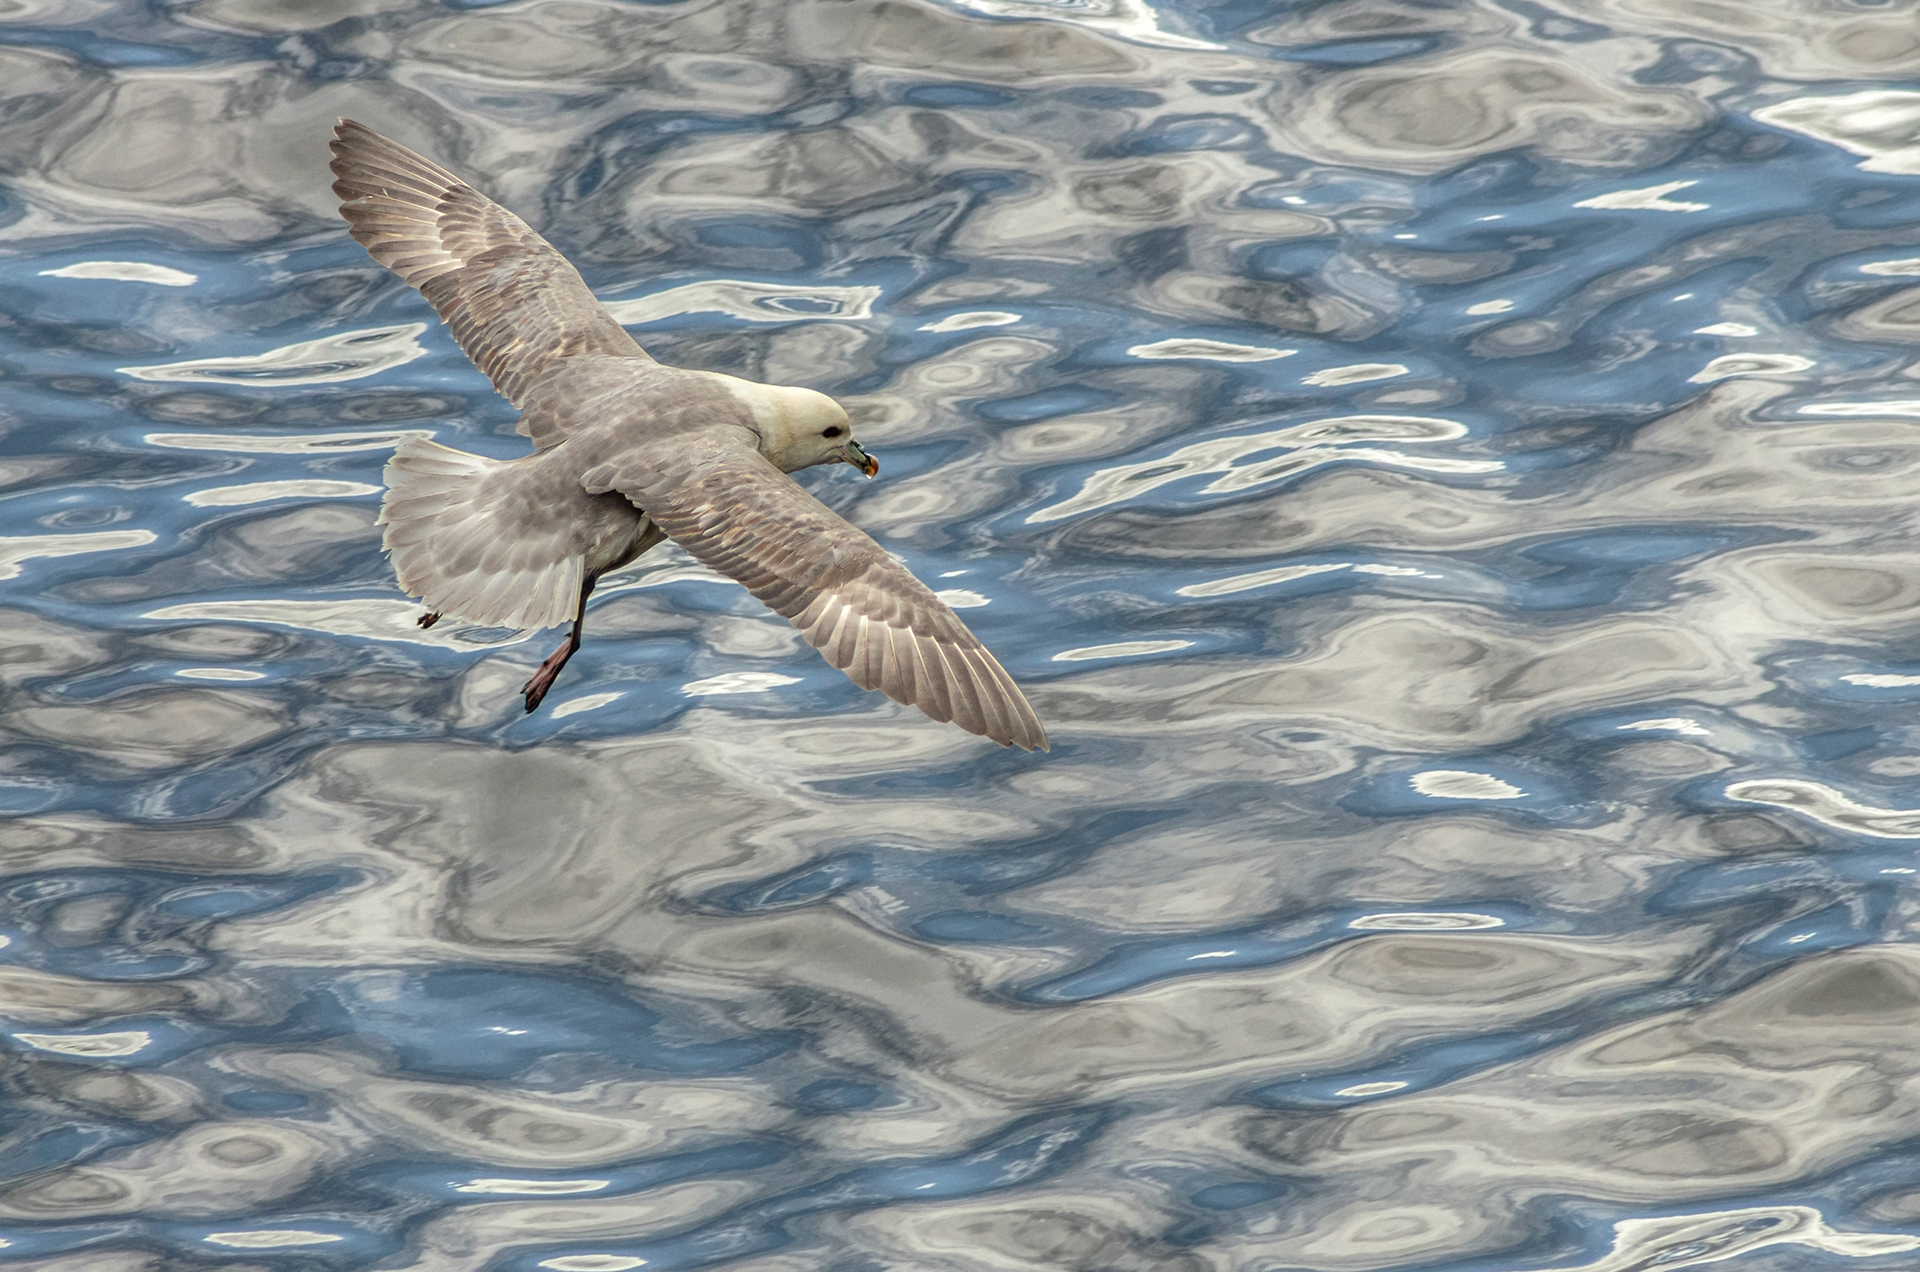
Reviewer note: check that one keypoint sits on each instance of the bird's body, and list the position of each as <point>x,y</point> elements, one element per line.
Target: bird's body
<point>628,453</point>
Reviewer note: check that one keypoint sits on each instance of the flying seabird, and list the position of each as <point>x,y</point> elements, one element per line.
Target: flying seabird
<point>627,453</point>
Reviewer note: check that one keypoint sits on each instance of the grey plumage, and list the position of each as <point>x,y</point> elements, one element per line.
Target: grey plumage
<point>629,452</point>
<point>513,303</point>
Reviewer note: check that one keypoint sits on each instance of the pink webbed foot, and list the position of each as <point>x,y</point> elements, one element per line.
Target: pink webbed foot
<point>536,688</point>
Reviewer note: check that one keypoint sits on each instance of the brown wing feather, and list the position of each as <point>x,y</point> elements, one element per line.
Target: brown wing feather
<point>514,304</point>
<point>738,514</point>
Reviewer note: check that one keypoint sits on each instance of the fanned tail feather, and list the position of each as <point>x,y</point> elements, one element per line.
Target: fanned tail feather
<point>449,551</point>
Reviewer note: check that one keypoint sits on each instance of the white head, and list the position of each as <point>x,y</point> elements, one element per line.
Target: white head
<point>800,428</point>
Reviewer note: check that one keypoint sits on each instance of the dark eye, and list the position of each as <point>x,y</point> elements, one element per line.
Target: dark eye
<point>835,431</point>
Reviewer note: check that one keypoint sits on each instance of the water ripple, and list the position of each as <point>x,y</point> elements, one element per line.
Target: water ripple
<point>1445,473</point>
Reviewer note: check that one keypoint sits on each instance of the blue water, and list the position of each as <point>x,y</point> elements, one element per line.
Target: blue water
<point>1444,474</point>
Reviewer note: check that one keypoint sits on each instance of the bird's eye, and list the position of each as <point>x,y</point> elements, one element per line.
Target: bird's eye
<point>835,431</point>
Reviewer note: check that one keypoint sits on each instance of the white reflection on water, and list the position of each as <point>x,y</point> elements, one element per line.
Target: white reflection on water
<point>271,1238</point>
<point>123,1043</point>
<point>962,598</point>
<point>738,682</point>
<point>125,272</point>
<point>1882,124</point>
<point>1426,921</point>
<point>1130,20</point>
<point>754,302</point>
<point>1120,649</point>
<point>1394,571</point>
<point>263,491</point>
<point>219,673</point>
<point>1208,351</point>
<point>682,569</point>
<point>1221,455</point>
<point>1866,410</point>
<point>34,546</point>
<point>975,318</point>
<point>1908,268</point>
<point>346,355</point>
<point>1670,724</point>
<point>1727,329</point>
<point>1825,804</point>
<point>1361,1089</point>
<point>593,1263</point>
<point>1463,784</point>
<point>1358,373</point>
<point>291,444</point>
<point>1750,364</point>
<point>1685,1241</point>
<point>533,1187</point>
<point>1880,679</point>
<point>1260,578</point>
<point>1287,573</point>
<point>1650,199</point>
<point>585,702</point>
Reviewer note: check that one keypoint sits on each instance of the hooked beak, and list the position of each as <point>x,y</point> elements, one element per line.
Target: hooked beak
<point>852,454</point>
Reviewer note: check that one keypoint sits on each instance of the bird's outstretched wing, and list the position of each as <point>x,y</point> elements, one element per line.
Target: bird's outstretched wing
<point>514,304</point>
<point>738,514</point>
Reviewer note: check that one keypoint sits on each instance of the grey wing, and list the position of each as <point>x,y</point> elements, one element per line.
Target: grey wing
<point>513,303</point>
<point>738,514</point>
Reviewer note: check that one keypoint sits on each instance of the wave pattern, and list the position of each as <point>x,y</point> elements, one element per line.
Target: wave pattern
<point>1445,473</point>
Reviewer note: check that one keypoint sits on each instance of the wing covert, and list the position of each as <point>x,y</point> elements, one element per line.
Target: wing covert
<point>514,304</point>
<point>865,612</point>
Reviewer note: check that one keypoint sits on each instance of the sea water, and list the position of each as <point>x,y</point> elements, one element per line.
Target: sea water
<point>1448,476</point>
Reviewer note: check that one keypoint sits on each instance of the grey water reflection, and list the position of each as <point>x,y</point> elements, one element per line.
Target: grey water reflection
<point>1444,472</point>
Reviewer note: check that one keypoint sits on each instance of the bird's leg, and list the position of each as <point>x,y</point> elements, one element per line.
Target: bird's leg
<point>429,618</point>
<point>536,688</point>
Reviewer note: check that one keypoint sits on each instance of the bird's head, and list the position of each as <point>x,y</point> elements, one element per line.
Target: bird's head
<point>800,428</point>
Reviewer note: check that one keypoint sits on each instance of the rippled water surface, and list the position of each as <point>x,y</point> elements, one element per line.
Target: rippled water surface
<point>1445,472</point>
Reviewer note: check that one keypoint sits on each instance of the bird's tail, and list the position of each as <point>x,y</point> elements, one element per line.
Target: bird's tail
<point>444,532</point>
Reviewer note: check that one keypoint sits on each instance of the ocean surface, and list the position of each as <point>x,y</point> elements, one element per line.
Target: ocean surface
<point>1448,475</point>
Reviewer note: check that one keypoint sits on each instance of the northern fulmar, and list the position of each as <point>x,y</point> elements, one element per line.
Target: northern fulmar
<point>628,453</point>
